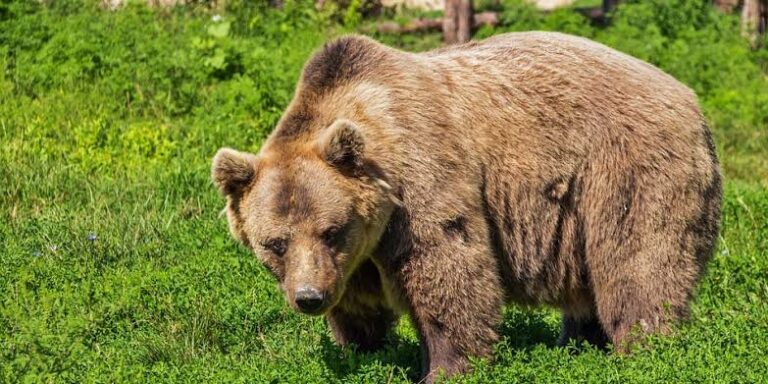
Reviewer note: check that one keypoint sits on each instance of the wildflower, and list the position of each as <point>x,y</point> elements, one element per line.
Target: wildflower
<point>216,18</point>
<point>92,237</point>
<point>53,247</point>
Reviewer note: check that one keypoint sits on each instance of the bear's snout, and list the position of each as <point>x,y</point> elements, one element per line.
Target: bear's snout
<point>309,300</point>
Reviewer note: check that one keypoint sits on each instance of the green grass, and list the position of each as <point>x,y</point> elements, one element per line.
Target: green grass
<point>115,265</point>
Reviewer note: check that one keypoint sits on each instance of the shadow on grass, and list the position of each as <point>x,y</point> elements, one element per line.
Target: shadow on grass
<point>526,330</point>
<point>404,356</point>
<point>522,330</point>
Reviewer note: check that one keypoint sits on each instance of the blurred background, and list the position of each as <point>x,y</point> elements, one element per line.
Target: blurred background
<point>114,263</point>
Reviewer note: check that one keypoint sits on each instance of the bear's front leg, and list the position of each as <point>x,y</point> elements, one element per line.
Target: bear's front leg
<point>362,317</point>
<point>450,281</point>
<point>367,331</point>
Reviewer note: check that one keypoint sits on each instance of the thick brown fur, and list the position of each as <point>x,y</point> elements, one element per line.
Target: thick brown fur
<point>535,168</point>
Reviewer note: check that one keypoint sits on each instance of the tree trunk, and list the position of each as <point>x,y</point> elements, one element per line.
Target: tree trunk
<point>750,19</point>
<point>457,21</point>
<point>727,6</point>
<point>764,17</point>
<point>423,25</point>
<point>754,16</point>
<point>450,22</point>
<point>466,15</point>
<point>609,5</point>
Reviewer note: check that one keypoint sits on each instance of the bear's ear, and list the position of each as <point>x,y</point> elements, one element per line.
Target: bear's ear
<point>233,170</point>
<point>342,146</point>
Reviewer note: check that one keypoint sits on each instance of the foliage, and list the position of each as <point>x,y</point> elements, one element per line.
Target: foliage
<point>114,263</point>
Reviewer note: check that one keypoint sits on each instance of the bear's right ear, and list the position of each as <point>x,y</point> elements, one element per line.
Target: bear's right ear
<point>232,170</point>
<point>342,146</point>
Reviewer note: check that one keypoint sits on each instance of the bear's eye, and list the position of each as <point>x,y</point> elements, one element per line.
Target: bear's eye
<point>333,236</point>
<point>278,246</point>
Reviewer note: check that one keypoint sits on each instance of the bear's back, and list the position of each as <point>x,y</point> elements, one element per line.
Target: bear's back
<point>532,89</point>
<point>578,57</point>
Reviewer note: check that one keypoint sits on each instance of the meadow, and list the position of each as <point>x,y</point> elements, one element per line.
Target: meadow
<point>115,265</point>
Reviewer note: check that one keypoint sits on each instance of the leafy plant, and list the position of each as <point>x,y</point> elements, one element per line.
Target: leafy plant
<point>114,263</point>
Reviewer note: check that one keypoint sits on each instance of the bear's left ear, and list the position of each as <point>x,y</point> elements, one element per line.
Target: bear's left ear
<point>342,146</point>
<point>233,170</point>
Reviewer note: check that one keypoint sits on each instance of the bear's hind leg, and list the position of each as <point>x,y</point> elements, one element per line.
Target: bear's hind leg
<point>639,298</point>
<point>580,330</point>
<point>630,313</point>
<point>646,245</point>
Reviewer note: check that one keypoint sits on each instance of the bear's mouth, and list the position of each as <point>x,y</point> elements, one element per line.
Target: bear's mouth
<point>316,312</point>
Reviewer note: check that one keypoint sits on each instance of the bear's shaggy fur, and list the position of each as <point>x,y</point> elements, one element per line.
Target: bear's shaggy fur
<point>535,168</point>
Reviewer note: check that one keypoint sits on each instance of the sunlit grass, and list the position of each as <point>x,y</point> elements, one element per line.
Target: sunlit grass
<point>115,265</point>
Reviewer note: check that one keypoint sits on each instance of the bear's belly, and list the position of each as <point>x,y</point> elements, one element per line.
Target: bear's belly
<point>539,242</point>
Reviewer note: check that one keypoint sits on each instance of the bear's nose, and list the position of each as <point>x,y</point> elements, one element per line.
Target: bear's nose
<point>308,299</point>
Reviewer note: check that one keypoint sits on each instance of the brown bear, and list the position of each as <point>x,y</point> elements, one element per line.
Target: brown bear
<point>534,168</point>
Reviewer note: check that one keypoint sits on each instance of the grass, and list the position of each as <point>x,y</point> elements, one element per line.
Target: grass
<point>115,265</point>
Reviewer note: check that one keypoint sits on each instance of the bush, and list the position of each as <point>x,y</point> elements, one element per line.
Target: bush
<point>115,267</point>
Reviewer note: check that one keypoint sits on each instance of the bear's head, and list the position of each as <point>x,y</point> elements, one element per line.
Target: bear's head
<point>311,210</point>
